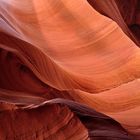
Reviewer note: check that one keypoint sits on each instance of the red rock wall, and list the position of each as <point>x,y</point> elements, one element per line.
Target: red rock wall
<point>69,70</point>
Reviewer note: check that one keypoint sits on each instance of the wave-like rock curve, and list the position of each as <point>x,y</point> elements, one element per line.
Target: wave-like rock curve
<point>62,62</point>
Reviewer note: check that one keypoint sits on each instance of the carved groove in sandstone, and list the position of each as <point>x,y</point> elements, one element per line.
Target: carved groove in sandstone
<point>62,60</point>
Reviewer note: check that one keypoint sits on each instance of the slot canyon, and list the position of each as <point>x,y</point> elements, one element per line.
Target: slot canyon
<point>69,70</point>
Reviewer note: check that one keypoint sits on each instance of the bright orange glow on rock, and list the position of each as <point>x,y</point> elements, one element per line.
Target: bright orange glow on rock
<point>69,69</point>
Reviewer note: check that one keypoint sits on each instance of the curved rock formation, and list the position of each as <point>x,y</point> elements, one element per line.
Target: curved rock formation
<point>83,53</point>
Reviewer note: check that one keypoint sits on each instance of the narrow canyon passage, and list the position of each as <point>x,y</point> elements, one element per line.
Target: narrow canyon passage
<point>69,70</point>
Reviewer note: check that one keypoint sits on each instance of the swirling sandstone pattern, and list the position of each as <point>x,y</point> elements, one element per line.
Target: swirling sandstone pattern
<point>69,70</point>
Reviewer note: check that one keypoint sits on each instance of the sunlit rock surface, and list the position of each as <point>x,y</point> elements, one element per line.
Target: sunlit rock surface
<point>69,70</point>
